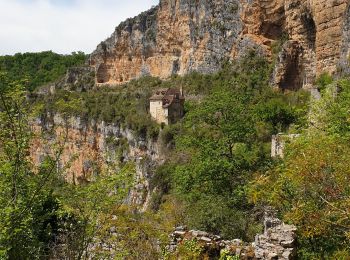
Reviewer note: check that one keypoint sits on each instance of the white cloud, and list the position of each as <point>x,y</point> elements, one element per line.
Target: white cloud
<point>62,26</point>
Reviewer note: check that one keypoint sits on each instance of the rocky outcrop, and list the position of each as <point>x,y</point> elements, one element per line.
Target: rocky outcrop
<point>78,79</point>
<point>263,23</point>
<point>89,148</point>
<point>180,36</point>
<point>277,242</point>
<point>176,37</point>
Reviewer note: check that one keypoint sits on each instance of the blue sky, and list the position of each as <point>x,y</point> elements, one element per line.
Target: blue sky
<point>62,26</point>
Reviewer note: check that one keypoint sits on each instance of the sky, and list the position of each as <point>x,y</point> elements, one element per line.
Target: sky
<point>63,26</point>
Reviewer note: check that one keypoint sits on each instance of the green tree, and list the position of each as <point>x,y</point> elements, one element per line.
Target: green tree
<point>93,207</point>
<point>29,210</point>
<point>310,185</point>
<point>224,139</point>
<point>310,189</point>
<point>323,81</point>
<point>40,68</point>
<point>42,216</point>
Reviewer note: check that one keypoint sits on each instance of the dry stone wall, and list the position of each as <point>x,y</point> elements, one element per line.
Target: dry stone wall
<point>277,242</point>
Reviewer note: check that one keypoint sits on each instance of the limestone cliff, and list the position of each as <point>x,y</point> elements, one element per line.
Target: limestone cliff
<point>175,37</point>
<point>316,29</point>
<point>87,149</point>
<point>180,36</point>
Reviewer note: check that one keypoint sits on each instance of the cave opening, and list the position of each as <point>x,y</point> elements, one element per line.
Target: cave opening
<point>102,74</point>
<point>272,31</point>
<point>273,27</point>
<point>293,78</point>
<point>310,28</point>
<point>176,67</point>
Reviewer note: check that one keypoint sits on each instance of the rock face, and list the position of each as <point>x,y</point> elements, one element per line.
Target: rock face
<point>345,48</point>
<point>317,28</point>
<point>180,36</point>
<point>89,148</point>
<point>277,242</point>
<point>175,37</point>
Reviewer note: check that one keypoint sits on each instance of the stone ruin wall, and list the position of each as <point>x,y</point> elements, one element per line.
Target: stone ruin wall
<point>279,241</point>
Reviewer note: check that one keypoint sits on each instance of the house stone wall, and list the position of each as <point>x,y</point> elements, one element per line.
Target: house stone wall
<point>158,113</point>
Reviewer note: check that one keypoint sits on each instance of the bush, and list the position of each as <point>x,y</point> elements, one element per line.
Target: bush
<point>219,216</point>
<point>323,80</point>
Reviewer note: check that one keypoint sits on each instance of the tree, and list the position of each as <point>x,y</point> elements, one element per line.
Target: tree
<point>310,186</point>
<point>311,190</point>
<point>29,209</point>
<point>40,68</point>
<point>224,139</point>
<point>43,216</point>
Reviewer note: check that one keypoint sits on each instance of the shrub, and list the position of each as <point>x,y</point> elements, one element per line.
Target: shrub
<point>323,80</point>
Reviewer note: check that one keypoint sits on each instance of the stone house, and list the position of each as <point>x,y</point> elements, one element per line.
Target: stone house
<point>167,106</point>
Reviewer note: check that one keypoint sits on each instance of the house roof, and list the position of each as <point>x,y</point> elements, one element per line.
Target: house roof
<point>168,96</point>
<point>159,94</point>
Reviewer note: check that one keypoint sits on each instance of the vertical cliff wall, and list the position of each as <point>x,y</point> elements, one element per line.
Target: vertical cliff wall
<point>316,29</point>
<point>87,149</point>
<point>175,37</point>
<point>180,36</point>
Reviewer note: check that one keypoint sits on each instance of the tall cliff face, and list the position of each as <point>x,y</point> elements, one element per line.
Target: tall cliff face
<point>87,149</point>
<point>316,30</point>
<point>174,38</point>
<point>180,36</point>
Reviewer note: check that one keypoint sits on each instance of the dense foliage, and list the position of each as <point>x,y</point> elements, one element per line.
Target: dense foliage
<point>218,175</point>
<point>224,139</point>
<point>310,186</point>
<point>29,210</point>
<point>125,105</point>
<point>39,68</point>
<point>44,217</point>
